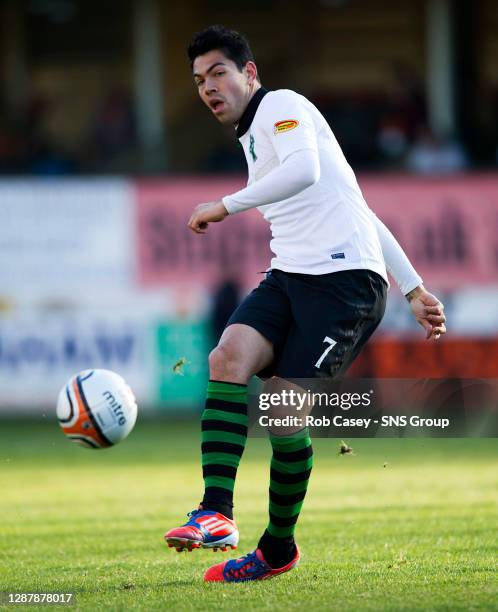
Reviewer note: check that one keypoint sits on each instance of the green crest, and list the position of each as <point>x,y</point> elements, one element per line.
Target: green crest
<point>251,148</point>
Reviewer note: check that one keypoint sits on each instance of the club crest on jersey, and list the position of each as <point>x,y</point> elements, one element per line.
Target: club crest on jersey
<point>251,148</point>
<point>285,126</point>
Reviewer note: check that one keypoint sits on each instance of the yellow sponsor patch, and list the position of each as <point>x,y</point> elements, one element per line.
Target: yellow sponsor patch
<point>285,126</point>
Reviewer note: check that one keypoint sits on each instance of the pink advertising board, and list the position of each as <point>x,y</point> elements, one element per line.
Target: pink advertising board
<point>448,227</point>
<point>170,253</point>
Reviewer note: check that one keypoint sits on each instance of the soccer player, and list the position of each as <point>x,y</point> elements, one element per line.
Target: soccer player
<point>322,299</point>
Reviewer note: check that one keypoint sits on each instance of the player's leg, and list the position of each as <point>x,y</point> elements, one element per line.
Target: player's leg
<point>241,352</point>
<point>290,469</point>
<point>254,335</point>
<point>345,308</point>
<point>247,346</point>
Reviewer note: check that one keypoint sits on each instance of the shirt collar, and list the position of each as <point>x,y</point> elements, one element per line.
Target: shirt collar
<point>248,114</point>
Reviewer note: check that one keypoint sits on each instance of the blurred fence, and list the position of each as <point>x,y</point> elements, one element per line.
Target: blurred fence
<point>104,273</point>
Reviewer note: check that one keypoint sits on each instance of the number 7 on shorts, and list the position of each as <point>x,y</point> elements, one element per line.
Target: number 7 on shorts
<point>331,344</point>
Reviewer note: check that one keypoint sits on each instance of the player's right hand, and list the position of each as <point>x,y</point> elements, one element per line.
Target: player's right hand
<point>206,213</point>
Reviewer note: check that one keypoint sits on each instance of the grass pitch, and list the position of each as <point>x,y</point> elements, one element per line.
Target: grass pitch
<point>404,524</point>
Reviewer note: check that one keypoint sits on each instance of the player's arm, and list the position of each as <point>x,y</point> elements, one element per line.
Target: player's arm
<point>299,170</point>
<point>397,263</point>
<point>426,308</point>
<point>290,130</point>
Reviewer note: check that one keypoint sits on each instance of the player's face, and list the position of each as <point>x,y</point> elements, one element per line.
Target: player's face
<point>222,86</point>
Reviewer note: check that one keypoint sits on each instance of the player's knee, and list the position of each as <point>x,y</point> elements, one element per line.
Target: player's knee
<point>215,359</point>
<point>225,363</point>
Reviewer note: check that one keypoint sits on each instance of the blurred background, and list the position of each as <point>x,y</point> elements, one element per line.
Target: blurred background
<point>105,148</point>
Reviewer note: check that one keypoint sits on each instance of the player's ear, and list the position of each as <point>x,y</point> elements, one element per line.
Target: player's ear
<point>251,72</point>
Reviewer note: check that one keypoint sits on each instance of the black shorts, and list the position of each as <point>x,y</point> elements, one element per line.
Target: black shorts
<point>317,323</point>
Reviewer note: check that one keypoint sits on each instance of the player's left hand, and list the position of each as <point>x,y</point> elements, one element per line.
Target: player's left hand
<point>428,311</point>
<point>204,214</point>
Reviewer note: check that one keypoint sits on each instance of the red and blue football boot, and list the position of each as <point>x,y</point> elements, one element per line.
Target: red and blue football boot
<point>251,567</point>
<point>204,529</point>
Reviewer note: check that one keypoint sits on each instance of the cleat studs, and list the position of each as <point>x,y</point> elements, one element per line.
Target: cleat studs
<point>179,549</point>
<point>233,547</point>
<point>215,549</point>
<point>224,549</point>
<point>170,545</point>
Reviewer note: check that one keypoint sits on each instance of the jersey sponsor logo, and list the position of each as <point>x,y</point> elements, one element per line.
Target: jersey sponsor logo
<point>285,126</point>
<point>338,256</point>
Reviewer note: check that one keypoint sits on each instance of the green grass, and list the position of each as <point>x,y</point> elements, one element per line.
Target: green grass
<point>406,524</point>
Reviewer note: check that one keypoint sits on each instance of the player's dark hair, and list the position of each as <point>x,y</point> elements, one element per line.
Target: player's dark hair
<point>232,44</point>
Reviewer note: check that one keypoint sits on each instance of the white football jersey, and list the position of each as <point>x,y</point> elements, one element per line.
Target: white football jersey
<point>327,226</point>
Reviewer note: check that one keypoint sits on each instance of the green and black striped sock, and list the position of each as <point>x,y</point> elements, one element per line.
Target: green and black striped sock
<point>291,466</point>
<point>224,435</point>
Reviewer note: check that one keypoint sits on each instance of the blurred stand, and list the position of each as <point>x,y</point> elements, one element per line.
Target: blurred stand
<point>126,103</point>
<point>226,157</point>
<point>431,155</point>
<point>113,135</point>
<point>402,114</point>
